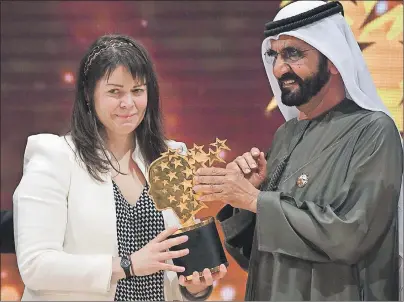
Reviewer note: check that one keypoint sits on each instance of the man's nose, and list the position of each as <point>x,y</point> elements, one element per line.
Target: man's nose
<point>280,67</point>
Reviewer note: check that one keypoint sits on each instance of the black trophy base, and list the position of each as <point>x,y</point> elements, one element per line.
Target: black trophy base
<point>205,249</point>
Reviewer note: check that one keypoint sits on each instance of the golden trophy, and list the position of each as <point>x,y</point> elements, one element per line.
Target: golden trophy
<point>171,183</point>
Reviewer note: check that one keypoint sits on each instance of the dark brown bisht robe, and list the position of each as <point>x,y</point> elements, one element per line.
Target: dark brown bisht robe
<point>334,237</point>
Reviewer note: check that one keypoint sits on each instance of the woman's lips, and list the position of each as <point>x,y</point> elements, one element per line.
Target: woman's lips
<point>125,115</point>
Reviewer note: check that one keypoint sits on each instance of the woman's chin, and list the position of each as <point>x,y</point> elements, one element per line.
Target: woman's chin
<point>125,129</point>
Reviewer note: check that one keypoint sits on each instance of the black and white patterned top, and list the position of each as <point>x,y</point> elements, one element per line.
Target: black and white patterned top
<point>136,226</point>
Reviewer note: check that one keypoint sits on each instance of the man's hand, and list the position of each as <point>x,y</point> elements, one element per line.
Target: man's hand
<point>252,164</point>
<point>226,185</point>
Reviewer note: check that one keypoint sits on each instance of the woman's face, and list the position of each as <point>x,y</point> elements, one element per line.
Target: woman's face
<point>120,102</point>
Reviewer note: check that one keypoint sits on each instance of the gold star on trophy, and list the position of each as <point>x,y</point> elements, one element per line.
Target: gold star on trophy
<point>220,145</point>
<point>171,181</point>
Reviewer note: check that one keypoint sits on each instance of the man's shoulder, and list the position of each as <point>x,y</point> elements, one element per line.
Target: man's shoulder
<point>286,127</point>
<point>380,122</point>
<point>377,130</point>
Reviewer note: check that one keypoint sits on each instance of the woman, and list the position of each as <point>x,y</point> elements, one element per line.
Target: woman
<point>86,228</point>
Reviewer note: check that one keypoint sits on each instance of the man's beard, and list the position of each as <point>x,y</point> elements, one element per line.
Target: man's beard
<point>307,88</point>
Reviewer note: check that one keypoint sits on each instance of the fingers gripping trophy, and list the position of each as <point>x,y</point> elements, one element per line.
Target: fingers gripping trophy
<point>170,178</point>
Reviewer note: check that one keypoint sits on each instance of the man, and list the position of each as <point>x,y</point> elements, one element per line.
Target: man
<point>317,218</point>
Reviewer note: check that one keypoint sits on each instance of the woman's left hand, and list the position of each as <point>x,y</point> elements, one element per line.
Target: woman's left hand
<point>197,285</point>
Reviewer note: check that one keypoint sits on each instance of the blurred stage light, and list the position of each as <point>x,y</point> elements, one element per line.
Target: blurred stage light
<point>223,154</point>
<point>227,293</point>
<point>68,77</point>
<point>144,23</point>
<point>381,7</point>
<point>9,293</point>
<point>3,274</point>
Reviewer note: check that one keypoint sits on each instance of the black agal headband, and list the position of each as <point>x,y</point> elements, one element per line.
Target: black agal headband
<point>276,27</point>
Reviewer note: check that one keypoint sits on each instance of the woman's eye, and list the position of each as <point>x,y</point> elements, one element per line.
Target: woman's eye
<point>114,91</point>
<point>137,91</point>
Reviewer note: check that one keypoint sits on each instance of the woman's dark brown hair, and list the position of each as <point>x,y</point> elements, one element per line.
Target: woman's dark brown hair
<point>103,57</point>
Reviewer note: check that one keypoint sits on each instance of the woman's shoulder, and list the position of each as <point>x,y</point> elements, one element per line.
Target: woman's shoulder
<point>51,145</point>
<point>172,144</point>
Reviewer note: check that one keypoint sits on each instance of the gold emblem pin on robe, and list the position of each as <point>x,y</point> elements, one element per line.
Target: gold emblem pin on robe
<point>302,180</point>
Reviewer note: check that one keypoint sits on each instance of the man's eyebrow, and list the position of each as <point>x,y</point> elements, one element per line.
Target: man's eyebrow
<point>291,44</point>
<point>270,51</point>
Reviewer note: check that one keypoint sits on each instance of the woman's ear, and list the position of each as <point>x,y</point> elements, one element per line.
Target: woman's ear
<point>86,95</point>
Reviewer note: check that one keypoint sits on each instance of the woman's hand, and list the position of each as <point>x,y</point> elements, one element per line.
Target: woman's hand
<point>151,258</point>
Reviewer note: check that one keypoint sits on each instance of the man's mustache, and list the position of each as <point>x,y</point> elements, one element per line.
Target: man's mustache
<point>289,77</point>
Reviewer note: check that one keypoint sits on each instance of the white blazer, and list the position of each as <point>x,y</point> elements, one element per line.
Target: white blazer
<point>65,225</point>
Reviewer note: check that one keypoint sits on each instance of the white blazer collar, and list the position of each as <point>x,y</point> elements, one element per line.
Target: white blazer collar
<point>139,160</point>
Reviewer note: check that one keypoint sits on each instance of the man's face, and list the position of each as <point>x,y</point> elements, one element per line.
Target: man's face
<point>301,70</point>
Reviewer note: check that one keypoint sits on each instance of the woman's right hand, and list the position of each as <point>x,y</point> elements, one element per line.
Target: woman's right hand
<point>151,258</point>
